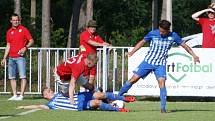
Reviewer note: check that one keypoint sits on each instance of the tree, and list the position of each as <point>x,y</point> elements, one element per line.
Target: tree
<point>167,10</point>
<point>74,21</point>
<point>17,7</point>
<point>89,10</point>
<point>82,16</point>
<point>33,13</point>
<point>154,14</point>
<point>45,23</point>
<point>46,33</point>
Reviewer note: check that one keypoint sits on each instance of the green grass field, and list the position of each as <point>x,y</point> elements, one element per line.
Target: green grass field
<point>140,111</point>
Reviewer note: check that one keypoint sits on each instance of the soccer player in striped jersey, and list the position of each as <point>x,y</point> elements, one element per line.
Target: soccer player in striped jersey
<point>82,101</point>
<point>161,41</point>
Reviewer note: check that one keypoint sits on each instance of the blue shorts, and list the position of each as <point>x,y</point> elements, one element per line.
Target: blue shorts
<point>15,64</point>
<point>84,99</point>
<point>144,69</point>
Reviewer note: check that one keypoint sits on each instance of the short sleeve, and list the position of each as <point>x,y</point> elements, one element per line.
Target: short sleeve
<point>28,34</point>
<point>201,21</point>
<point>148,37</point>
<point>50,104</point>
<point>177,39</point>
<point>8,37</point>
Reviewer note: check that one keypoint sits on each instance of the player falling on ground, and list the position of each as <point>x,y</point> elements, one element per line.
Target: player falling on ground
<point>82,101</point>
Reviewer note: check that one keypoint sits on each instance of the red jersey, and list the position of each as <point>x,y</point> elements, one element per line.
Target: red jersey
<point>85,37</point>
<point>18,38</point>
<point>75,66</point>
<point>208,30</point>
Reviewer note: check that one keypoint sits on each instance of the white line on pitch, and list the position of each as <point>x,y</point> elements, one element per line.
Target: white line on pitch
<point>20,114</point>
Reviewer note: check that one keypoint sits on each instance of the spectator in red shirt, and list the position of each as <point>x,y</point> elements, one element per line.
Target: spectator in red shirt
<point>90,40</point>
<point>78,69</point>
<point>18,40</point>
<point>208,26</point>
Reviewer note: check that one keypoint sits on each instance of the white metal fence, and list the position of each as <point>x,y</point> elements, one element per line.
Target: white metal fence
<point>111,68</point>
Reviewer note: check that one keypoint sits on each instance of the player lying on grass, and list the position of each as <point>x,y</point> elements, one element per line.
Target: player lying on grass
<point>83,101</point>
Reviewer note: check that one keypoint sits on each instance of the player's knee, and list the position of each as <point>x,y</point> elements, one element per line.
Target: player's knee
<point>134,79</point>
<point>161,82</point>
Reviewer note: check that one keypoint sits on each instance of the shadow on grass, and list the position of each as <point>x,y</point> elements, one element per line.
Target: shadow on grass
<point>177,98</point>
<point>173,111</point>
<point>190,110</point>
<point>6,115</point>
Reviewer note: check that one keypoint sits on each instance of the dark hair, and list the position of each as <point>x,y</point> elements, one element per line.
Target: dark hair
<point>165,24</point>
<point>14,14</point>
<point>43,89</point>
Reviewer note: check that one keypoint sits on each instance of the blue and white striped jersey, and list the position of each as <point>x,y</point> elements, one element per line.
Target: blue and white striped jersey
<point>159,46</point>
<point>61,102</point>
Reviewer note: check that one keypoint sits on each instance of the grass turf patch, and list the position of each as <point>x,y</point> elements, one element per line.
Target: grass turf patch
<point>140,111</point>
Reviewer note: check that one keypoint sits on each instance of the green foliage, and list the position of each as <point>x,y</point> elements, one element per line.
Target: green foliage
<point>58,38</point>
<point>6,8</point>
<point>182,11</point>
<point>117,19</point>
<point>119,38</point>
<point>127,39</point>
<point>140,111</point>
<point>137,34</point>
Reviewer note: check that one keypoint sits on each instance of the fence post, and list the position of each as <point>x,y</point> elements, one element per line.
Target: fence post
<point>104,69</point>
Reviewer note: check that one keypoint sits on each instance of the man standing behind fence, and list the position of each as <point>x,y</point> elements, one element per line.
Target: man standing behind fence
<point>18,40</point>
<point>90,40</point>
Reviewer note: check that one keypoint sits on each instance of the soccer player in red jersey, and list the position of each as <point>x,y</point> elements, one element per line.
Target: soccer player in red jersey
<point>78,69</point>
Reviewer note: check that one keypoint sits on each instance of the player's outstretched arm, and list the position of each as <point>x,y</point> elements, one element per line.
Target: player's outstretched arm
<point>33,107</point>
<point>137,47</point>
<point>190,51</point>
<point>71,90</point>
